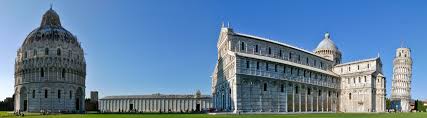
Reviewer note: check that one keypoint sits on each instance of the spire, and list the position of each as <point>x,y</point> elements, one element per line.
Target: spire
<point>378,54</point>
<point>51,4</point>
<point>222,24</point>
<point>401,43</point>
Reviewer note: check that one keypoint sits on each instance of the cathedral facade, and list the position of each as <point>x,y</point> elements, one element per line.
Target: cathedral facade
<point>255,74</point>
<point>50,70</point>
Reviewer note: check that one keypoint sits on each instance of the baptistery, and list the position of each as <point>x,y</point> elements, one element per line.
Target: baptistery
<point>50,70</point>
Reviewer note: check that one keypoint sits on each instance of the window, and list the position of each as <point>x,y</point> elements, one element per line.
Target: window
<point>320,92</point>
<point>46,51</point>
<point>282,88</point>
<point>269,50</point>
<point>305,72</point>
<point>34,93</point>
<point>349,96</point>
<point>45,93</point>
<point>309,91</point>
<point>275,68</point>
<point>71,94</point>
<point>358,68</point>
<point>299,58</point>
<point>59,93</point>
<point>365,79</point>
<point>58,52</point>
<point>256,48</point>
<point>242,46</point>
<point>35,52</point>
<point>266,66</point>
<point>360,80</point>
<point>63,73</point>
<point>296,89</point>
<point>42,72</point>
<point>306,60</point>
<point>368,66</point>
<point>354,80</point>
<point>329,93</point>
<point>292,69</point>
<point>280,53</point>
<point>349,68</point>
<point>257,65</point>
<point>265,86</point>
<point>25,54</point>
<point>290,56</point>
<point>321,64</point>
<point>247,64</point>
<point>297,72</point>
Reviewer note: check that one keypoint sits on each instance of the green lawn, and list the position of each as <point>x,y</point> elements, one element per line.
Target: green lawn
<point>329,115</point>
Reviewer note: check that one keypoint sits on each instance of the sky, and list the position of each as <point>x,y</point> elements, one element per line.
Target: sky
<point>169,46</point>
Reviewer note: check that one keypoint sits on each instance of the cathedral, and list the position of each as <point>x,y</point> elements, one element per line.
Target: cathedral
<point>255,74</point>
<point>50,70</point>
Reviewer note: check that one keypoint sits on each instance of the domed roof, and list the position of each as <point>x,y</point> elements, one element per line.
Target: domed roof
<point>327,44</point>
<point>50,18</point>
<point>50,29</point>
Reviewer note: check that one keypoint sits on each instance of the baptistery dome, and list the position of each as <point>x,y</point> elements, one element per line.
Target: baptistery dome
<point>50,69</point>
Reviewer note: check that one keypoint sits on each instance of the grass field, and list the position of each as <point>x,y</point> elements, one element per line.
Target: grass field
<point>329,115</point>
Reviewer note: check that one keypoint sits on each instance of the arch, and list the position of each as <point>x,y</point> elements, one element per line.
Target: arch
<point>58,52</point>
<point>23,99</point>
<point>79,99</point>
<point>46,51</point>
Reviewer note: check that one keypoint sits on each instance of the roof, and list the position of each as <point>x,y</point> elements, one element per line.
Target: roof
<point>285,62</point>
<point>154,96</point>
<point>326,44</point>
<point>359,61</point>
<point>279,43</point>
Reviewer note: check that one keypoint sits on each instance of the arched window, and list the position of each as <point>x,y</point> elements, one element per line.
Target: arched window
<point>63,73</point>
<point>360,80</point>
<point>242,46</point>
<point>257,65</point>
<point>256,48</point>
<point>41,72</point>
<point>247,64</point>
<point>45,93</point>
<point>266,66</point>
<point>280,53</point>
<point>309,91</point>
<point>296,89</point>
<point>349,96</point>
<point>269,50</point>
<point>34,93</point>
<point>46,51</point>
<point>282,88</point>
<point>265,86</point>
<point>320,92</point>
<point>58,52</point>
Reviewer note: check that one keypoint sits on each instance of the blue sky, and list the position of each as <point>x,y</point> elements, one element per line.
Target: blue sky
<point>169,46</point>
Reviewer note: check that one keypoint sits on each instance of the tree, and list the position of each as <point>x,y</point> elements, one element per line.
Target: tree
<point>387,103</point>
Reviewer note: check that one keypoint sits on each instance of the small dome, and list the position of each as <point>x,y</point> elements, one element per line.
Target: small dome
<point>50,18</point>
<point>327,44</point>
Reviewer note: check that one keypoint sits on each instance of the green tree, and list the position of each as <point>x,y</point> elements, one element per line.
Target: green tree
<point>387,103</point>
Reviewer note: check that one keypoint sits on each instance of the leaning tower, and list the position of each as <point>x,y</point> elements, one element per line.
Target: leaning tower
<point>401,84</point>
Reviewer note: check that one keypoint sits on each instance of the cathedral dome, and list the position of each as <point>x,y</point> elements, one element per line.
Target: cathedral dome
<point>327,44</point>
<point>50,30</point>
